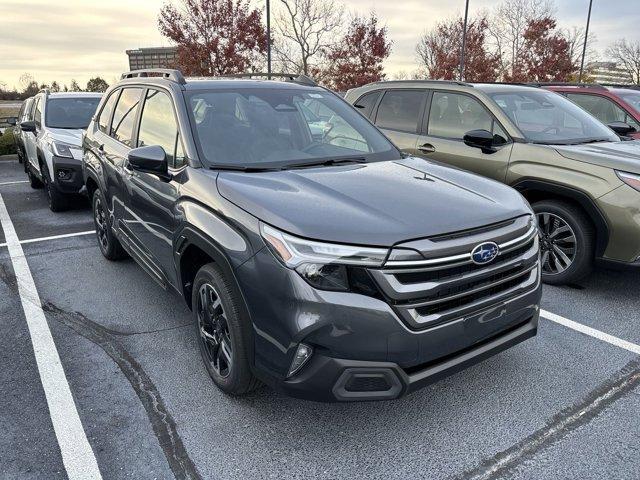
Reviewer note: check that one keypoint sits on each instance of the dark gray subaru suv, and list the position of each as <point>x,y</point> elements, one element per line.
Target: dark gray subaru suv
<point>315,258</point>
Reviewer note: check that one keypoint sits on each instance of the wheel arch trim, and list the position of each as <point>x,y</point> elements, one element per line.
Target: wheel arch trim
<point>530,185</point>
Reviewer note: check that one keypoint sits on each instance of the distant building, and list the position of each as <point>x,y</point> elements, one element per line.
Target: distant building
<point>156,57</point>
<point>608,72</point>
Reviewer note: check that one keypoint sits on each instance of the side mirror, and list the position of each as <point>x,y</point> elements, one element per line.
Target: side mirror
<point>150,159</point>
<point>12,121</point>
<point>481,139</point>
<point>29,126</point>
<point>621,128</point>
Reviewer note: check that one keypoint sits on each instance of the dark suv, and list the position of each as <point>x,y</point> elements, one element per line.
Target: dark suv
<point>314,256</point>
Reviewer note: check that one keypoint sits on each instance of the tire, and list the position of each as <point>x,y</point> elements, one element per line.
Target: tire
<point>34,182</point>
<point>224,322</point>
<point>109,245</point>
<point>57,201</point>
<point>555,216</point>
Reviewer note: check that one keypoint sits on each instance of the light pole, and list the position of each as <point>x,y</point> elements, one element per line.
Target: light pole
<point>464,40</point>
<point>584,47</point>
<point>268,39</point>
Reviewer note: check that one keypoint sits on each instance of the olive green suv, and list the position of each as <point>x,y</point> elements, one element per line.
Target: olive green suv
<point>582,180</point>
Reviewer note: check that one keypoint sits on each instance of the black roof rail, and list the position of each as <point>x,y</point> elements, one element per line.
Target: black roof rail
<point>291,77</point>
<point>427,80</point>
<point>168,73</point>
<point>566,84</point>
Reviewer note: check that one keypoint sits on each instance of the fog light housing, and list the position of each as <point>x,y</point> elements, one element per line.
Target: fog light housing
<point>64,174</point>
<point>303,354</point>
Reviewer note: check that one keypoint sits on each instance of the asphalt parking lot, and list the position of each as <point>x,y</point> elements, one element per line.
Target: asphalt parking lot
<point>563,405</point>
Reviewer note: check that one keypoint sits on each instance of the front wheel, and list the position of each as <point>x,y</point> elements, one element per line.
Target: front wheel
<point>567,242</point>
<point>108,243</point>
<point>56,200</point>
<point>33,180</point>
<point>223,334</point>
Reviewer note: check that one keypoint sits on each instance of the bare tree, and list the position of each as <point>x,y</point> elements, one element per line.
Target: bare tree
<point>307,30</point>
<point>627,55</point>
<point>575,37</point>
<point>508,24</point>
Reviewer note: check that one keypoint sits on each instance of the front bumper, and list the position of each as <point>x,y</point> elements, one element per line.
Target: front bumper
<point>363,350</point>
<point>67,174</point>
<point>331,379</point>
<point>621,208</point>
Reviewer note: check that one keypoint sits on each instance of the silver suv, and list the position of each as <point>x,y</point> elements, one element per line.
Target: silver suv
<point>52,142</point>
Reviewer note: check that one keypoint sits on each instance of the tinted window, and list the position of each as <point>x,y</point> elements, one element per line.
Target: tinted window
<point>549,118</point>
<point>125,115</point>
<point>632,98</point>
<point>281,127</point>
<point>602,108</point>
<point>366,103</point>
<point>400,110</point>
<point>158,124</point>
<point>71,113</point>
<point>23,108</point>
<point>37,113</point>
<point>453,115</point>
<point>105,114</point>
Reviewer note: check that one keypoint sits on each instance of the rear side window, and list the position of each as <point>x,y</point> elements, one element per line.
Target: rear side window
<point>453,115</point>
<point>125,115</point>
<point>105,115</point>
<point>158,126</point>
<point>366,103</point>
<point>400,110</point>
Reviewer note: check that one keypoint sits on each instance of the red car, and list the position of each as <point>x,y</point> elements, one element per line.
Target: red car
<point>609,104</point>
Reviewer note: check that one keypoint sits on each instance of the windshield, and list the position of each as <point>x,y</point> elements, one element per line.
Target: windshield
<point>71,113</point>
<point>548,118</point>
<point>279,127</point>
<point>632,98</point>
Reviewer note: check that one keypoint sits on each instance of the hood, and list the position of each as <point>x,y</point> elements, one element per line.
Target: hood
<point>378,204</point>
<point>617,155</point>
<point>72,137</point>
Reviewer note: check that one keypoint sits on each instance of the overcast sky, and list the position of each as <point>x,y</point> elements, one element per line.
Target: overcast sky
<point>55,40</point>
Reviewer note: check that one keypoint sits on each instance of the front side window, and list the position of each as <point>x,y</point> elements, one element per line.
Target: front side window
<point>158,124</point>
<point>551,119</point>
<point>452,115</point>
<point>602,108</point>
<point>400,110</point>
<point>366,103</point>
<point>105,114</point>
<point>37,113</point>
<point>70,113</point>
<point>280,127</point>
<point>125,115</point>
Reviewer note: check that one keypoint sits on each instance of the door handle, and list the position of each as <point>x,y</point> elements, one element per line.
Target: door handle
<point>427,148</point>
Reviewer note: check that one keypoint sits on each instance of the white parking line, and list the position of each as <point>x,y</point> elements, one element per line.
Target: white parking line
<point>77,455</point>
<point>53,237</point>
<point>14,183</point>
<point>592,332</point>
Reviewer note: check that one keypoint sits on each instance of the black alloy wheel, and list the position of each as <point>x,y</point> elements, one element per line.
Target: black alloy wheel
<point>214,331</point>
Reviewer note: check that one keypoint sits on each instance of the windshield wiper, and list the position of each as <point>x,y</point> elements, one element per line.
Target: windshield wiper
<point>590,140</point>
<point>242,168</point>
<point>326,163</point>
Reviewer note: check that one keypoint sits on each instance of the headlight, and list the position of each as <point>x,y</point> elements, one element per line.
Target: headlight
<point>61,149</point>
<point>630,179</point>
<point>325,265</point>
<point>294,251</point>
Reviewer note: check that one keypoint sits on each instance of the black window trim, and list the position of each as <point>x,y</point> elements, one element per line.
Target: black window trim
<point>136,120</point>
<point>175,116</point>
<point>115,92</point>
<point>425,123</point>
<point>374,119</point>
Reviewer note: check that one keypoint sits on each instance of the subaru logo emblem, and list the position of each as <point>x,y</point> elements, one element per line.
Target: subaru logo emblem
<point>484,253</point>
